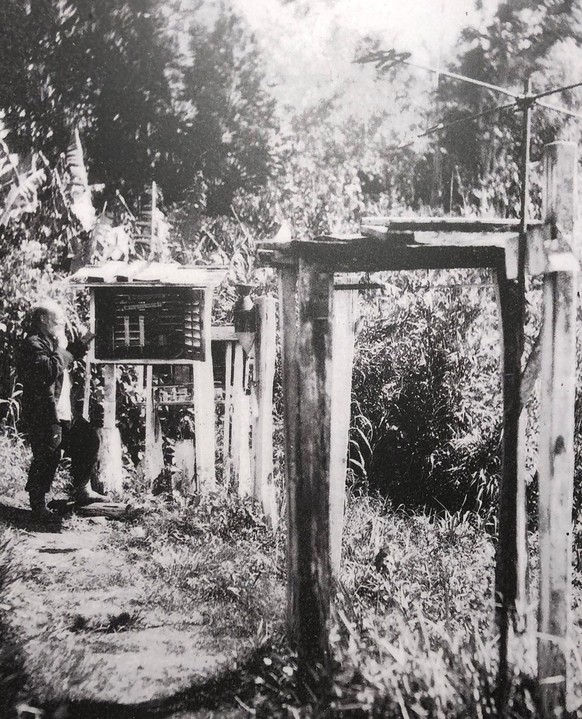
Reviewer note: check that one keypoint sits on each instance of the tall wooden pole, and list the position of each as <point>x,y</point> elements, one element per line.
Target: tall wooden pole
<point>307,373</point>
<point>315,291</point>
<point>288,323</point>
<point>511,550</point>
<point>556,451</point>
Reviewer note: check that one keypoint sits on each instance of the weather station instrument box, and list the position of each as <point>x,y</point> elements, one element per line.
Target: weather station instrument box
<point>150,313</point>
<point>157,323</point>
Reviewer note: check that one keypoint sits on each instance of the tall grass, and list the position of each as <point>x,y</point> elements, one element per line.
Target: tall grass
<point>14,461</point>
<point>414,632</point>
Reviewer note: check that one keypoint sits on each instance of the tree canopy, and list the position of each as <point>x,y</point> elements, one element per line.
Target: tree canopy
<point>147,107</point>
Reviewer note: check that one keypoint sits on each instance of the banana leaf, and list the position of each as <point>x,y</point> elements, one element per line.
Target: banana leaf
<point>23,197</point>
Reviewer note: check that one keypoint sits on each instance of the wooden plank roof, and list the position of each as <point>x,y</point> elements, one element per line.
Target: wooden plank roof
<point>386,243</point>
<point>144,272</point>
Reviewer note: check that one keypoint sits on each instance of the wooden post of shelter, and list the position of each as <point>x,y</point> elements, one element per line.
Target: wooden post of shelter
<point>556,448</point>
<point>307,359</point>
<point>108,470</point>
<point>265,349</point>
<point>511,560</point>
<point>343,327</point>
<point>308,307</point>
<point>204,410</point>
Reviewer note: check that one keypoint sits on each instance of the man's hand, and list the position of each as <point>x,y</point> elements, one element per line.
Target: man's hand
<point>87,337</point>
<point>61,338</point>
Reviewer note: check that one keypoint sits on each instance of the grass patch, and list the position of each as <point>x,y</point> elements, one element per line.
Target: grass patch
<point>11,657</point>
<point>219,554</point>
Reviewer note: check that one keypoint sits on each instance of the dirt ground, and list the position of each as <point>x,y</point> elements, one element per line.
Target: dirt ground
<point>93,643</point>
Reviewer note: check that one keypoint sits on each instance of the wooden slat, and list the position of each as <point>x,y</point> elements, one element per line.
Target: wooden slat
<point>227,417</point>
<point>440,238</point>
<point>89,359</point>
<point>224,333</point>
<point>143,362</point>
<point>153,459</point>
<point>240,427</point>
<point>150,274</point>
<point>447,224</point>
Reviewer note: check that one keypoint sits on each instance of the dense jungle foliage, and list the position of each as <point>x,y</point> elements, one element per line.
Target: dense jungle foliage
<point>183,96</point>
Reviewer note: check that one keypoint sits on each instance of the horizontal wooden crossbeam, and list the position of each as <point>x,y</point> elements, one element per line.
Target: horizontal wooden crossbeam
<point>369,254</point>
<point>405,244</point>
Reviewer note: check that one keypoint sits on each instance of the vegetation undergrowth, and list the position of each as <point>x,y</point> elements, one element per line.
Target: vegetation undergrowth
<point>412,624</point>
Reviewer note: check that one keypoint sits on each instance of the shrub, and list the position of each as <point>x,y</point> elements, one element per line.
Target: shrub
<point>426,427</point>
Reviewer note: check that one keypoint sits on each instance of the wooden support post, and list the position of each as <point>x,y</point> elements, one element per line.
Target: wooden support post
<point>265,344</point>
<point>556,451</point>
<point>560,193</point>
<point>343,328</point>
<point>227,417</point>
<point>204,410</point>
<point>511,564</point>
<point>153,458</point>
<point>108,471</point>
<point>556,474</point>
<point>311,363</point>
<point>185,463</point>
<point>240,427</point>
<point>288,328</point>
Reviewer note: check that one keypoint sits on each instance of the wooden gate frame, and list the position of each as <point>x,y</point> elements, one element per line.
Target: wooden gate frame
<point>317,320</point>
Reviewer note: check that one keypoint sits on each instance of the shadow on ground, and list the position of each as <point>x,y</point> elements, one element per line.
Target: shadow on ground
<point>14,515</point>
<point>222,691</point>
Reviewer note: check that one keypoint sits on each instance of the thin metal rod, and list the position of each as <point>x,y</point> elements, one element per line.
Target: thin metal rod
<point>556,89</point>
<point>526,135</point>
<point>444,126</point>
<point>462,78</point>
<point>560,109</point>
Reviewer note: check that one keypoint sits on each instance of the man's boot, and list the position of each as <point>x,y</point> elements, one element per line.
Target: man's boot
<point>85,494</point>
<point>38,506</point>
